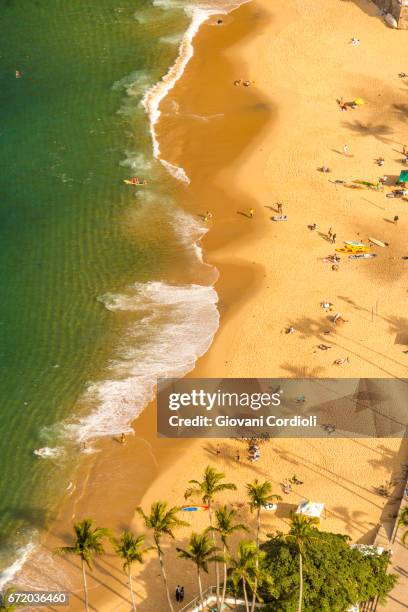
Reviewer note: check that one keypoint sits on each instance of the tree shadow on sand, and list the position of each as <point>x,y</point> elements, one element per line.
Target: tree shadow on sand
<point>401,111</point>
<point>381,132</point>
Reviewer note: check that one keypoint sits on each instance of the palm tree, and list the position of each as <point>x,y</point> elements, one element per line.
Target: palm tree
<point>129,549</point>
<point>403,522</point>
<point>260,494</point>
<point>244,568</point>
<point>403,517</point>
<point>301,535</point>
<point>88,543</point>
<point>162,522</point>
<point>225,527</point>
<point>201,552</point>
<point>5,598</point>
<point>207,489</point>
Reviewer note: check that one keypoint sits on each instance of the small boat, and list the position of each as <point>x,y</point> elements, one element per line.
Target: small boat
<point>362,256</point>
<point>135,181</point>
<point>279,218</point>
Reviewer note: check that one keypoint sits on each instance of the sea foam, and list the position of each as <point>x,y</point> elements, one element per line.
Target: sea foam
<point>173,326</point>
<point>12,570</point>
<point>154,96</point>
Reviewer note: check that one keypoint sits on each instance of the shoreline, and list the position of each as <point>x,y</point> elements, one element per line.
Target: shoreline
<point>160,452</point>
<point>237,250</point>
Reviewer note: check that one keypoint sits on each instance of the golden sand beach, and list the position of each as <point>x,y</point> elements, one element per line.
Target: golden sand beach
<point>262,145</point>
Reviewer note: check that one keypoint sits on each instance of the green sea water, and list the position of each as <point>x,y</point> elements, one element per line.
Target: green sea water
<point>70,230</point>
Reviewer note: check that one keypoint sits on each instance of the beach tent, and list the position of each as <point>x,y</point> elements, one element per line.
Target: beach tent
<point>359,101</point>
<point>310,509</point>
<point>403,177</point>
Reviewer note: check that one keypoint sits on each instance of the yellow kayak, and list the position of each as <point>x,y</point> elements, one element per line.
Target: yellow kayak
<point>352,250</point>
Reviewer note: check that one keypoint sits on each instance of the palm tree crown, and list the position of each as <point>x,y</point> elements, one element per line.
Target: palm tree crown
<point>88,541</point>
<point>302,531</point>
<point>200,551</point>
<point>129,549</point>
<point>260,494</point>
<point>225,526</point>
<point>162,521</point>
<point>209,486</point>
<point>244,568</point>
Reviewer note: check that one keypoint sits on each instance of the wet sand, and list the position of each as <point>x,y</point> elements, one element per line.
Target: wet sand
<point>249,148</point>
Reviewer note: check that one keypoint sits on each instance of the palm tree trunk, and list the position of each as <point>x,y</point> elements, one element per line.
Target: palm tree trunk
<point>85,586</point>
<point>300,582</point>
<point>217,571</point>
<point>245,595</point>
<point>200,587</point>
<point>258,529</point>
<point>224,586</point>
<point>163,573</point>
<point>132,597</point>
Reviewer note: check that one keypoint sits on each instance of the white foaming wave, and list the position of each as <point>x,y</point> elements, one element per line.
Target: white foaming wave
<point>43,572</point>
<point>172,39</point>
<point>174,326</point>
<point>10,572</point>
<point>176,171</point>
<point>154,96</point>
<point>134,83</point>
<point>136,161</point>
<point>189,232</point>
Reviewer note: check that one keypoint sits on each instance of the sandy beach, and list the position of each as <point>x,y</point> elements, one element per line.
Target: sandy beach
<point>255,147</point>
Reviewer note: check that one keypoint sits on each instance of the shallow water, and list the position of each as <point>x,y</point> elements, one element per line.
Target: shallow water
<point>99,280</point>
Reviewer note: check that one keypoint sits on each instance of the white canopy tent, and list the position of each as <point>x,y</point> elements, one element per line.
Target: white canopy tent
<point>310,509</point>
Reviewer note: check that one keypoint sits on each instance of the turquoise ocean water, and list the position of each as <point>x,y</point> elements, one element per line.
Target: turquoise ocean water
<point>98,279</point>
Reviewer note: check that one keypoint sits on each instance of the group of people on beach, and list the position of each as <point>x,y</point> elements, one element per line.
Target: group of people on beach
<point>246,83</point>
<point>179,593</point>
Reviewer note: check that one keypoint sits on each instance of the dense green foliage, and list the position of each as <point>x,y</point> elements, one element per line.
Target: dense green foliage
<point>303,570</point>
<point>335,576</point>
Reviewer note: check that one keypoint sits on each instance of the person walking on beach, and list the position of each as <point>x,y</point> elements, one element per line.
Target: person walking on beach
<point>280,207</point>
<point>329,233</point>
<point>333,238</point>
<point>238,456</point>
<point>345,150</point>
<point>181,593</point>
<point>251,212</point>
<point>122,438</point>
<point>178,593</point>
<point>396,219</point>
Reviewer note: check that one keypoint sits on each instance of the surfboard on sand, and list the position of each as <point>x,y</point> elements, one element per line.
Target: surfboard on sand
<point>362,256</point>
<point>352,243</point>
<point>199,508</point>
<point>377,242</point>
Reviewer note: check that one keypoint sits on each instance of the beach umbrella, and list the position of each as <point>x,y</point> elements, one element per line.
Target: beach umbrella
<point>359,101</point>
<point>403,177</point>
